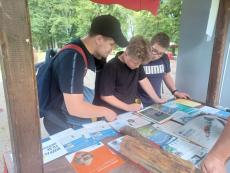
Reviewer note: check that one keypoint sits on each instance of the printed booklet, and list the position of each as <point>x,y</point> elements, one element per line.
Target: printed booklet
<point>95,159</point>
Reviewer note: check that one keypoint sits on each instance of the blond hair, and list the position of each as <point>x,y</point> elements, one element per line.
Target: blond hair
<point>139,48</point>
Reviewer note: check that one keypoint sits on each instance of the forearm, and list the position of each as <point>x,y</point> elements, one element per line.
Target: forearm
<point>112,100</point>
<point>76,106</point>
<point>147,87</point>
<point>169,82</point>
<point>221,149</point>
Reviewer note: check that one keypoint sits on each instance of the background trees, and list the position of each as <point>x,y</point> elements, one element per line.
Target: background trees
<point>56,22</point>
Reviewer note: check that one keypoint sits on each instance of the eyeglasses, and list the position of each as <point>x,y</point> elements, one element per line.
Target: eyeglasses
<point>155,51</point>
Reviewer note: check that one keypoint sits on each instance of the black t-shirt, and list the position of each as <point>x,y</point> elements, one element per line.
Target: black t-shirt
<point>119,80</point>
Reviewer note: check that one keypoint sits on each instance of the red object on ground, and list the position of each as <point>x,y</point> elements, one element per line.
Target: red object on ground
<point>5,168</point>
<point>137,5</point>
<point>170,55</point>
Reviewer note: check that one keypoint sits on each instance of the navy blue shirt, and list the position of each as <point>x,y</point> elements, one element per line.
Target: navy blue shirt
<point>155,71</point>
<point>68,76</point>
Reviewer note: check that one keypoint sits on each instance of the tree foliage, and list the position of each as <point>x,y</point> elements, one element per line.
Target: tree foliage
<point>55,22</point>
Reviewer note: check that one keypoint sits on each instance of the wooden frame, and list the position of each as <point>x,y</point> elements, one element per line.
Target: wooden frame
<point>222,24</point>
<point>19,85</point>
<point>19,80</point>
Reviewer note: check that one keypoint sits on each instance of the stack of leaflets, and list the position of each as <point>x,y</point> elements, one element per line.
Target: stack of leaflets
<point>154,115</point>
<point>170,143</point>
<point>100,130</point>
<point>185,150</point>
<point>128,119</point>
<point>186,115</point>
<point>74,140</point>
<point>179,147</point>
<point>168,127</point>
<point>203,130</point>
<point>52,150</point>
<point>182,113</point>
<point>95,159</point>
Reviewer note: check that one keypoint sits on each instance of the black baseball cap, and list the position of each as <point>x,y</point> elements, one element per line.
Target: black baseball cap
<point>109,26</point>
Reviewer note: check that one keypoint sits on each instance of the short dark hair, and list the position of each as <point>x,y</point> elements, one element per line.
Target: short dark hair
<point>162,39</point>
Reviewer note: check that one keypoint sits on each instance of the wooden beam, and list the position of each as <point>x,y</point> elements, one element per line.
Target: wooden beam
<point>221,32</point>
<point>154,159</point>
<point>19,85</point>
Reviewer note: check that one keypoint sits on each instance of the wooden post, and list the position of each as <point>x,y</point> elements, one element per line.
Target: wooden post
<point>222,24</point>
<point>19,85</point>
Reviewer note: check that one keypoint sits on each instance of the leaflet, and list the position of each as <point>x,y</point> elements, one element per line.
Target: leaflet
<point>52,150</point>
<point>74,140</point>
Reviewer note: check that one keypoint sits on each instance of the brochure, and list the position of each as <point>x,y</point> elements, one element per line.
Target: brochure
<point>164,108</point>
<point>52,150</point>
<point>153,115</point>
<point>155,135</point>
<point>100,130</point>
<point>168,127</point>
<point>128,119</point>
<point>95,159</point>
<point>203,130</point>
<point>74,140</point>
<point>187,102</point>
<point>186,115</point>
<point>217,112</point>
<point>177,106</point>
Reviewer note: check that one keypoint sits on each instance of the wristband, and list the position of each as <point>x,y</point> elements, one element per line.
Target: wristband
<point>173,92</point>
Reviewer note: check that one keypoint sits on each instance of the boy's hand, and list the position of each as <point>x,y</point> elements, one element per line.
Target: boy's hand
<point>212,164</point>
<point>111,116</point>
<point>161,101</point>
<point>133,107</point>
<point>182,95</point>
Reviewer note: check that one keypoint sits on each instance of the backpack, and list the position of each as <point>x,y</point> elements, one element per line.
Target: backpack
<point>44,76</point>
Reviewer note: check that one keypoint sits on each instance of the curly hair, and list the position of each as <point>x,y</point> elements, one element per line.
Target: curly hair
<point>139,48</point>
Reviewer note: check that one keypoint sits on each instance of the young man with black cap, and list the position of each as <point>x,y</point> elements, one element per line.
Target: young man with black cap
<point>72,91</point>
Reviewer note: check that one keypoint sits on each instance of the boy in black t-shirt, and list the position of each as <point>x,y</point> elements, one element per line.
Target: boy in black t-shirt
<point>121,76</point>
